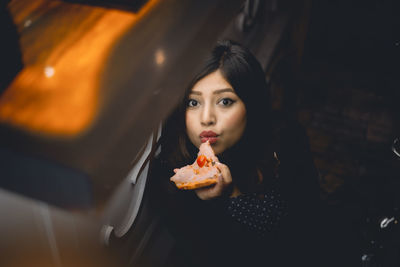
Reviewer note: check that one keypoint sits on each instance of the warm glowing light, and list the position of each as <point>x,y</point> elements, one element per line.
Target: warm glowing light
<point>160,57</point>
<point>49,71</point>
<point>62,43</point>
<point>27,23</point>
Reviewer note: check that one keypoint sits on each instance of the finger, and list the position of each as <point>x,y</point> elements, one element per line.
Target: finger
<point>219,165</point>
<point>225,172</point>
<point>218,188</point>
<point>219,185</point>
<point>203,193</point>
<point>215,159</point>
<point>210,192</point>
<point>176,170</point>
<point>210,189</point>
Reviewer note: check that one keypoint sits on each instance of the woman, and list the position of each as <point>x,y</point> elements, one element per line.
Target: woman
<point>238,221</point>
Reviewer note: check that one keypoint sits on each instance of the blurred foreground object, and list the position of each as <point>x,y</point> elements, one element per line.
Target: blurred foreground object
<point>57,92</point>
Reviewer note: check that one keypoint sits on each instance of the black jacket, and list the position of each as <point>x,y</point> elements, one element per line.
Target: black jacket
<point>206,234</point>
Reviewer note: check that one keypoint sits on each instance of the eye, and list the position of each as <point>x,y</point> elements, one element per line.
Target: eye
<point>192,103</point>
<point>226,102</point>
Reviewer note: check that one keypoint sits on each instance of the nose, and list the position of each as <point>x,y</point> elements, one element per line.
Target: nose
<point>208,116</point>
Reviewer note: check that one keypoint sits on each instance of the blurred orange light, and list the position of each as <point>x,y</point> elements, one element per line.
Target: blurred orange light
<point>57,91</point>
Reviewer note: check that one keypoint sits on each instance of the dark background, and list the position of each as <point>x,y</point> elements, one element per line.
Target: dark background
<point>345,91</point>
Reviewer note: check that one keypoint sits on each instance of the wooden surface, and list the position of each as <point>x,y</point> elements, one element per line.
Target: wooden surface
<point>64,47</point>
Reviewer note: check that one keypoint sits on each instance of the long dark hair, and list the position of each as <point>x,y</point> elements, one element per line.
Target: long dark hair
<point>253,153</point>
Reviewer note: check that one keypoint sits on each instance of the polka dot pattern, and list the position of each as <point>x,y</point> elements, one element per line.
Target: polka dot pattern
<point>259,213</point>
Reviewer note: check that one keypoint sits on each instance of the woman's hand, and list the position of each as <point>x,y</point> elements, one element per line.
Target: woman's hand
<point>223,184</point>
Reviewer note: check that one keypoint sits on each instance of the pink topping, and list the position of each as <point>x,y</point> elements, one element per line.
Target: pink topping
<point>206,150</point>
<point>193,173</point>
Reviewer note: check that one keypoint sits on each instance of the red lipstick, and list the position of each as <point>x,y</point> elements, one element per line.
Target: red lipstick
<point>208,136</point>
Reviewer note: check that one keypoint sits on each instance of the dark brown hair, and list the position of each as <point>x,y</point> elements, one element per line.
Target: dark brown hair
<point>253,153</point>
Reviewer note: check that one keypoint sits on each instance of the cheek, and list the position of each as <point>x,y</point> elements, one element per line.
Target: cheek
<point>236,121</point>
<point>190,127</point>
<point>189,123</point>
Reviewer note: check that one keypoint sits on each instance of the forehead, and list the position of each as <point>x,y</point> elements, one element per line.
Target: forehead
<point>210,83</point>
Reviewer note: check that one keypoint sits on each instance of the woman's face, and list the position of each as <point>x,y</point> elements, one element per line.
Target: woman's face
<point>215,112</point>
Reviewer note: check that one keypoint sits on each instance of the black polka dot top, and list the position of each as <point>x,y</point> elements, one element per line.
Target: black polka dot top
<point>259,213</point>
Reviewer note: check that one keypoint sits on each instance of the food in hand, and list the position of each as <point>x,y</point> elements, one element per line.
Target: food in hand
<point>203,172</point>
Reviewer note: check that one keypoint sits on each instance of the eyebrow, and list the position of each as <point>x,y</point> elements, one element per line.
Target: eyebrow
<point>219,91</point>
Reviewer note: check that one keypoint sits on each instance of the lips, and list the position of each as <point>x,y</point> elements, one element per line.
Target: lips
<point>208,136</point>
